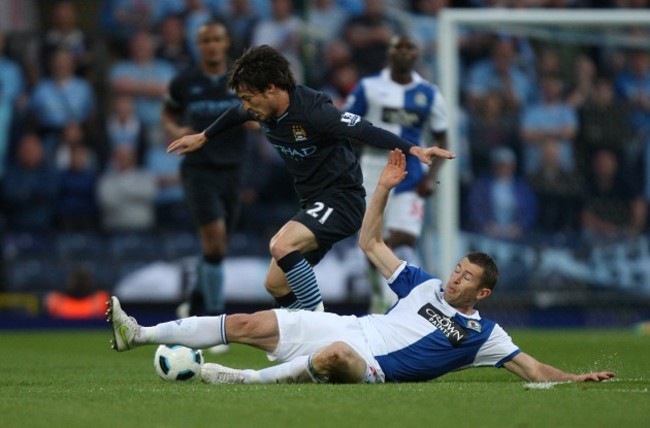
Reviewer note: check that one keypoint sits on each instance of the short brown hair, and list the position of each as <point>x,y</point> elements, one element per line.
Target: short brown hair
<point>490,270</point>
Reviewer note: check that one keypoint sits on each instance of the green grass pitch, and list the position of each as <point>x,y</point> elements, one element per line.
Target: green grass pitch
<point>72,379</point>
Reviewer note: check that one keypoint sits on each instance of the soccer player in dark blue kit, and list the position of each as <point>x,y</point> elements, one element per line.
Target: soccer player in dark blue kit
<point>211,175</point>
<point>313,138</point>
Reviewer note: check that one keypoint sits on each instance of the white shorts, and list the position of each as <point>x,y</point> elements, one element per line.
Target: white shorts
<point>405,210</point>
<point>305,332</point>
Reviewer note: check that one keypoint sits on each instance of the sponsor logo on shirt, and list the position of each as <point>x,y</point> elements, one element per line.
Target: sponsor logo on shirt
<point>299,134</point>
<point>295,154</point>
<point>350,118</point>
<point>452,330</point>
<point>400,116</point>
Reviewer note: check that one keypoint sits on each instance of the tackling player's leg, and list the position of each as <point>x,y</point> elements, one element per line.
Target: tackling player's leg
<point>125,328</point>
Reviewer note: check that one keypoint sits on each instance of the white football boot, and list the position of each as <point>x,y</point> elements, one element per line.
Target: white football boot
<point>216,373</point>
<point>125,328</point>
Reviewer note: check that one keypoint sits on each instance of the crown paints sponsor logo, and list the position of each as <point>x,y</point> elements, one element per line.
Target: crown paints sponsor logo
<point>453,331</point>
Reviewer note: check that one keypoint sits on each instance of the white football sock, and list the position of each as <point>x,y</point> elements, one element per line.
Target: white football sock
<point>294,371</point>
<point>193,332</point>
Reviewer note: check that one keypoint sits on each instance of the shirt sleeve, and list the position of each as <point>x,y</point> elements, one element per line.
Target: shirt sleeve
<point>330,120</point>
<point>497,350</point>
<point>406,278</point>
<point>229,119</point>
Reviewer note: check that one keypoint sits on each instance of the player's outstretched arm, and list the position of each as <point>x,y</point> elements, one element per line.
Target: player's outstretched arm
<point>187,144</point>
<point>425,154</point>
<point>528,368</point>
<point>371,236</point>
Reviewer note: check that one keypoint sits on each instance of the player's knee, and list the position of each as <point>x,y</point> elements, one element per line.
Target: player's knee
<point>241,325</point>
<point>336,357</point>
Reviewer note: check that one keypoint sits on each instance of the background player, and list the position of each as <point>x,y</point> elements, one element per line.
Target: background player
<point>399,100</point>
<point>211,175</point>
<point>431,331</point>
<point>313,138</point>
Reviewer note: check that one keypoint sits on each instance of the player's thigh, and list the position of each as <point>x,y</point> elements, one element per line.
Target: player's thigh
<point>306,332</point>
<point>332,218</point>
<point>406,213</point>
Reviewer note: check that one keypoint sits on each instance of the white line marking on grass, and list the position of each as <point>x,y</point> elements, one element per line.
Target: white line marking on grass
<point>542,385</point>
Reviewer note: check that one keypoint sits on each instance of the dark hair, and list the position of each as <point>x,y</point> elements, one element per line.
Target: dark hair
<point>490,270</point>
<point>258,68</point>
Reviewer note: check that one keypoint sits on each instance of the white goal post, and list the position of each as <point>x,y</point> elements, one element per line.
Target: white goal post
<point>448,213</point>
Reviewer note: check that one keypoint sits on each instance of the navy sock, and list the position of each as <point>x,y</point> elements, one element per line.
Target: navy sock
<point>301,279</point>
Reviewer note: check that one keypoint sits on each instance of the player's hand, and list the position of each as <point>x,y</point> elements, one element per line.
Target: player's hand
<point>394,171</point>
<point>594,377</point>
<point>186,144</point>
<point>425,154</point>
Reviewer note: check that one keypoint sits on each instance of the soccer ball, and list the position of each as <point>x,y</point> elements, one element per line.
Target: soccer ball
<point>176,362</point>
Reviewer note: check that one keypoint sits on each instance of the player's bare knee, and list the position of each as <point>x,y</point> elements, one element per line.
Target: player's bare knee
<point>337,356</point>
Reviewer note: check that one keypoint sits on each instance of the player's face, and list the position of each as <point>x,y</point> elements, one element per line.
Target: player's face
<point>464,288</point>
<point>260,104</point>
<point>402,53</point>
<point>213,43</point>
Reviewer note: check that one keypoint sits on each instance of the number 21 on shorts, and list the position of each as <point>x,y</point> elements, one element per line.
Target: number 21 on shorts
<point>320,211</point>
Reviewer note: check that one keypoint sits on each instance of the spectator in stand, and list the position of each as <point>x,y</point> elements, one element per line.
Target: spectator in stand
<point>558,193</point>
<point>80,300</point>
<point>195,14</point>
<point>123,19</point>
<point>604,123</point>
<point>124,127</point>
<point>76,205</point>
<point>65,34</point>
<point>614,207</point>
<point>126,193</point>
<point>171,208</point>
<point>490,127</point>
<point>242,18</point>
<point>143,77</point>
<point>551,118</point>
<point>585,77</point>
<point>30,188</point>
<point>368,35</point>
<point>499,73</point>
<point>282,31</point>
<point>325,19</point>
<point>173,47</point>
<point>20,22</point>
<point>11,89</point>
<point>423,27</point>
<point>501,204</point>
<point>62,101</point>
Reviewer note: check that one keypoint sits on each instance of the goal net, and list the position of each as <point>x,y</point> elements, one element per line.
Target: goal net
<point>537,88</point>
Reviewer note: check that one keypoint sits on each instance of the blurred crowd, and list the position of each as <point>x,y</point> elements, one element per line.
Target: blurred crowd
<point>555,136</point>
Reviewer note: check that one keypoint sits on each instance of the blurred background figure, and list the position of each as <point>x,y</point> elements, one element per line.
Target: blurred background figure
<point>12,86</point>
<point>126,193</point>
<point>559,195</point>
<point>63,33</point>
<point>368,35</point>
<point>142,77</point>
<point>614,208</point>
<point>80,300</point>
<point>30,188</point>
<point>76,204</point>
<point>501,204</point>
<point>551,117</point>
<point>60,101</point>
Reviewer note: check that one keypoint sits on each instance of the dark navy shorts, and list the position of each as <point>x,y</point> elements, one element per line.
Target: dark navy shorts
<point>212,193</point>
<point>332,218</point>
